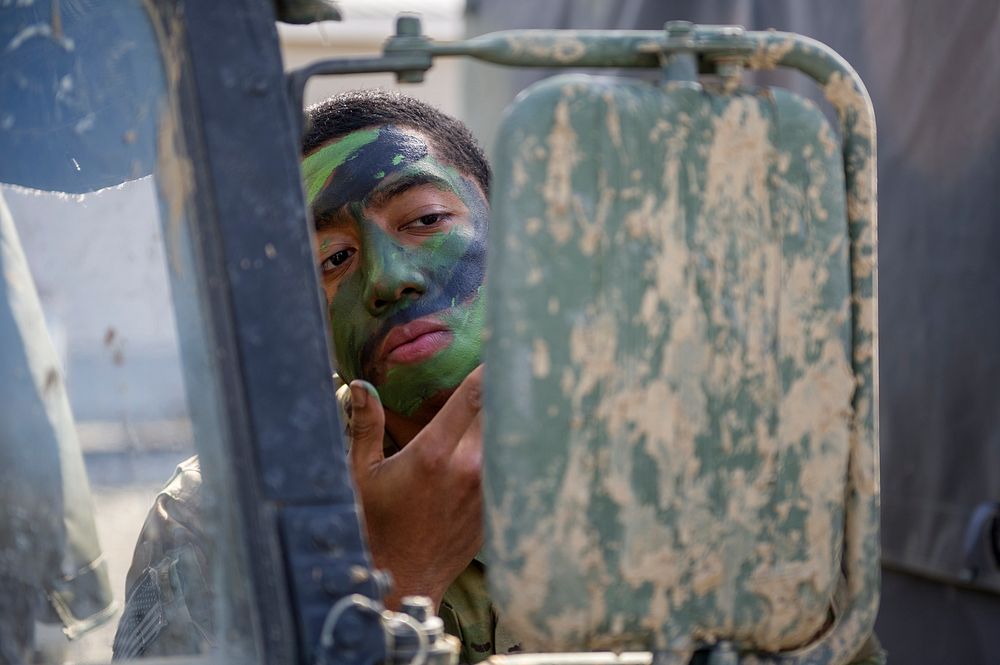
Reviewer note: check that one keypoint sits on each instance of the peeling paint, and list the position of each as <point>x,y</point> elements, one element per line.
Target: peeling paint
<point>557,190</point>
<point>613,121</point>
<point>564,49</point>
<point>769,55</point>
<point>540,363</point>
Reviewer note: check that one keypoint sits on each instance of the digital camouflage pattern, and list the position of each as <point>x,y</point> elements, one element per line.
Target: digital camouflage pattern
<point>686,320</point>
<point>168,597</point>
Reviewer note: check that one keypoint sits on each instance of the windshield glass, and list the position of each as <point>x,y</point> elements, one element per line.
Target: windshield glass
<point>110,403</point>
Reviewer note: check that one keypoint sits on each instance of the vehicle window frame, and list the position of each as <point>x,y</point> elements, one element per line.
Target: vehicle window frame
<point>280,466</point>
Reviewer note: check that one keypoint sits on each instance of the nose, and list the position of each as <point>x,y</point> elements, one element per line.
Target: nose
<point>392,276</point>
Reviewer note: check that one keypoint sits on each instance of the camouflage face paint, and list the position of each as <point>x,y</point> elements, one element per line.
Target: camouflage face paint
<point>438,269</point>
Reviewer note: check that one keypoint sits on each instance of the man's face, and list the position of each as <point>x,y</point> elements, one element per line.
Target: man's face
<point>401,238</point>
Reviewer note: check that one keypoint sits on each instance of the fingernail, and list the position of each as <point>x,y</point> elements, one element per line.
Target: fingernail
<point>359,396</point>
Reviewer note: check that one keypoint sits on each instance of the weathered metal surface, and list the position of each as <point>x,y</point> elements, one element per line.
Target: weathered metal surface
<point>265,423</point>
<point>79,91</point>
<point>681,367</point>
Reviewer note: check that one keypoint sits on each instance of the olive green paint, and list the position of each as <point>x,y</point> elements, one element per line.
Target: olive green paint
<point>317,167</point>
<point>408,386</point>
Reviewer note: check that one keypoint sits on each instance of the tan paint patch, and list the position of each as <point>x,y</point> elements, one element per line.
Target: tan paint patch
<point>527,151</point>
<point>612,121</point>
<point>540,363</point>
<point>785,625</point>
<point>561,49</point>
<point>841,91</point>
<point>738,159</point>
<point>558,188</point>
<point>827,139</point>
<point>769,56</point>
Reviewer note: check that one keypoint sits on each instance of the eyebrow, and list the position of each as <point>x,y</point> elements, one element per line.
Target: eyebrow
<point>335,218</point>
<point>409,181</point>
<point>329,219</point>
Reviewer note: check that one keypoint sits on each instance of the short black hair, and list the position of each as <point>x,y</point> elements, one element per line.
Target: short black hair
<point>359,109</point>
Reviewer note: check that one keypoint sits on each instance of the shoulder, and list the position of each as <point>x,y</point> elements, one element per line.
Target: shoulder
<point>174,521</point>
<point>177,508</point>
<point>168,598</point>
<point>185,485</point>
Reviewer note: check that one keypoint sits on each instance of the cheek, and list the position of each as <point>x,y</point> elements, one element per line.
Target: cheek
<point>329,290</point>
<point>344,308</point>
<point>463,249</point>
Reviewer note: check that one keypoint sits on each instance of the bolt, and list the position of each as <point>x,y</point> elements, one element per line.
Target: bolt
<point>359,574</point>
<point>418,607</point>
<point>383,582</point>
<point>408,25</point>
<point>679,29</point>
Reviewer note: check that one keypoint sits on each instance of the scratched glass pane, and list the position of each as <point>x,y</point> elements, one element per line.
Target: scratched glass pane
<point>102,411</point>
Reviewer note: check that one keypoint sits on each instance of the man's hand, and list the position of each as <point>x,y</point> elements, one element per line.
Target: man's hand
<point>422,506</point>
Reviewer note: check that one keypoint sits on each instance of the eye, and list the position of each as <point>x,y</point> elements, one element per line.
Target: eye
<point>429,221</point>
<point>337,259</point>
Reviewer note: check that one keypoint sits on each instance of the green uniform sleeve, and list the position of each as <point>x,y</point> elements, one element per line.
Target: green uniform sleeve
<point>168,607</point>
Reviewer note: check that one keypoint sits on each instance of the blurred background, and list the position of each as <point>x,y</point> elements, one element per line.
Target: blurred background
<point>99,267</point>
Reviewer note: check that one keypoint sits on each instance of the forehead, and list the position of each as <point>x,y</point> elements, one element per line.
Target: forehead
<point>347,170</point>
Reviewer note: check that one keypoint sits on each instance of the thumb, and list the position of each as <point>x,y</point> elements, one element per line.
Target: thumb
<point>367,427</point>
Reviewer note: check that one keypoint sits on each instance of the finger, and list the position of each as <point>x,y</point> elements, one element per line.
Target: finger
<point>367,426</point>
<point>467,460</point>
<point>471,444</point>
<point>448,427</point>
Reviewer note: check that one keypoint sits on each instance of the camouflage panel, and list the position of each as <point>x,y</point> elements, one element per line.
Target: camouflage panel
<point>670,363</point>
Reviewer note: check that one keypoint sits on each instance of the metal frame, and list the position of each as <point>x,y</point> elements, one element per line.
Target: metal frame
<point>281,456</point>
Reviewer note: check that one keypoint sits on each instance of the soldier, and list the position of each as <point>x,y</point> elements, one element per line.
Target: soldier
<point>398,192</point>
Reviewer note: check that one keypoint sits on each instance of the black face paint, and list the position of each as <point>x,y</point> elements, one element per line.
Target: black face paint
<point>390,153</point>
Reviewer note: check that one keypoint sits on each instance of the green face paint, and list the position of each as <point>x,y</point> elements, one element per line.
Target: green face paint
<point>408,313</point>
<point>317,167</point>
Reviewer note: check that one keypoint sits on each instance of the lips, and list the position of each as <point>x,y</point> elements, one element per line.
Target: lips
<point>415,341</point>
